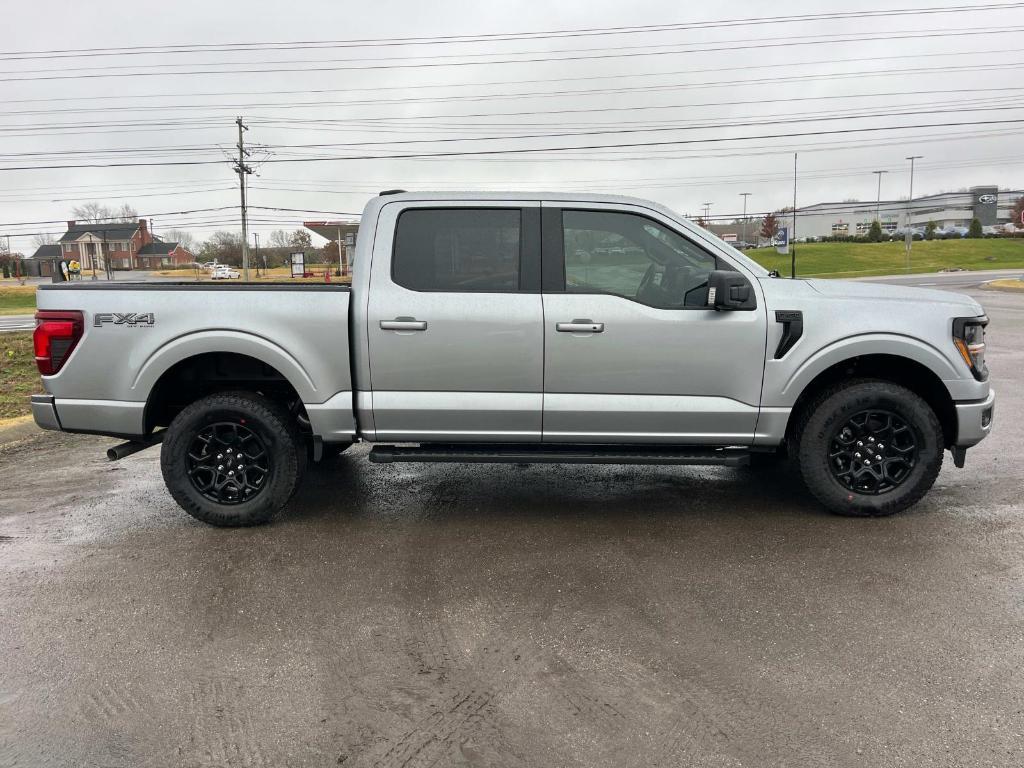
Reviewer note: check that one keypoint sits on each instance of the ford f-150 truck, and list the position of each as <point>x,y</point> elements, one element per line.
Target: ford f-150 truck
<point>521,328</point>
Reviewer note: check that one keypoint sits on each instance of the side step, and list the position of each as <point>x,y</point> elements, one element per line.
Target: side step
<point>560,454</point>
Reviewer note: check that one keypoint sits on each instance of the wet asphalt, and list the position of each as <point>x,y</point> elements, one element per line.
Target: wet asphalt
<point>434,615</point>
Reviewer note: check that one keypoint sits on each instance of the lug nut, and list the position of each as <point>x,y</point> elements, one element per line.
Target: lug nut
<point>231,473</point>
<point>871,439</point>
<point>239,466</point>
<point>866,463</point>
<point>856,455</point>
<point>860,443</point>
<point>220,467</point>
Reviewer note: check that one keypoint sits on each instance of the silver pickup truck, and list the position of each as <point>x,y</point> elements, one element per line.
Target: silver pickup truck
<point>521,329</point>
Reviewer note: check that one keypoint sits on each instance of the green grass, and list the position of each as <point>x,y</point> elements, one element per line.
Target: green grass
<point>19,377</point>
<point>17,299</point>
<point>865,259</point>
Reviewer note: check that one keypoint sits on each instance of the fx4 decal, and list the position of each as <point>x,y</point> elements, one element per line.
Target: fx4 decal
<point>145,320</point>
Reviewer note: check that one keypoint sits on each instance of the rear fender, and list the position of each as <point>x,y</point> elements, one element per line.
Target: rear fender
<point>236,342</point>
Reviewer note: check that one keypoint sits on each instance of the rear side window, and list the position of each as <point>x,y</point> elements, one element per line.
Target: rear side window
<point>458,249</point>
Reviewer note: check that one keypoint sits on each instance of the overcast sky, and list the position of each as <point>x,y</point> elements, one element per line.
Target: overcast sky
<point>663,116</point>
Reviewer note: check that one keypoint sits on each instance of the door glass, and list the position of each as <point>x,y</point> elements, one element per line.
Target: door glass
<point>457,249</point>
<point>634,257</point>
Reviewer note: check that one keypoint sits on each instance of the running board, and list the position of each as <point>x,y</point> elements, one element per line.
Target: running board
<point>560,454</point>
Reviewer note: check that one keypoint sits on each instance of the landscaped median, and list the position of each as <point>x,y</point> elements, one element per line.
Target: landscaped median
<point>868,259</point>
<point>1010,284</point>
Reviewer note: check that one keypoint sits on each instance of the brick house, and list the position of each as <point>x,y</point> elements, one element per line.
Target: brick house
<point>126,245</point>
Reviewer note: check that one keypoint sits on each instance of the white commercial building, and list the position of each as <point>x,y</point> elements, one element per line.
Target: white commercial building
<point>947,209</point>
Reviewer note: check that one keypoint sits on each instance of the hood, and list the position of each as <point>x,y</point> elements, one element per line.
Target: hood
<point>849,289</point>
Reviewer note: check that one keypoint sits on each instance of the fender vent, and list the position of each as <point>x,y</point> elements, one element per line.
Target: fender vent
<point>792,329</point>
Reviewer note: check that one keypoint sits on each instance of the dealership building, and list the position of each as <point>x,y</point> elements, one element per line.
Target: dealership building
<point>990,205</point>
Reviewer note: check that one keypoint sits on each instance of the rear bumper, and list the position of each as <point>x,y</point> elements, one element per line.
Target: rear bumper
<point>974,420</point>
<point>44,412</point>
<point>117,418</point>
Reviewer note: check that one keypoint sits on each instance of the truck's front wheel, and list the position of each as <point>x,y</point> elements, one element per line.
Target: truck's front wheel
<point>231,459</point>
<point>869,448</point>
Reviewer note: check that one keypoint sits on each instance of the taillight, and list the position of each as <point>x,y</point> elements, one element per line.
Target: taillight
<point>55,337</point>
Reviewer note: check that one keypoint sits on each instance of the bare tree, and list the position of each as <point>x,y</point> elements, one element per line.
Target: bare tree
<point>280,239</point>
<point>186,239</point>
<point>93,212</point>
<point>300,238</point>
<point>126,213</point>
<point>43,238</point>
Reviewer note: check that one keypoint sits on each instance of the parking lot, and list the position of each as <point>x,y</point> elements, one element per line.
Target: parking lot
<point>412,615</point>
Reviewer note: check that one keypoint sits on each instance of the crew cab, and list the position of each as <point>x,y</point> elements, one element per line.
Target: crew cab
<point>521,328</point>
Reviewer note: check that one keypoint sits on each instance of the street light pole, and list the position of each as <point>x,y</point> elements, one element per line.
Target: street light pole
<point>909,235</point>
<point>744,195</point>
<point>878,201</point>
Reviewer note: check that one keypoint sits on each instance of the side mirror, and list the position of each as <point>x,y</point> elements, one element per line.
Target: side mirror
<point>730,290</point>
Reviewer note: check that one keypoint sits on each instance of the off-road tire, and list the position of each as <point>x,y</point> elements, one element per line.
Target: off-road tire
<point>269,422</point>
<point>818,423</point>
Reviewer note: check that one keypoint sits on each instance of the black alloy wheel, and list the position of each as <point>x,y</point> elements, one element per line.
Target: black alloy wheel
<point>873,452</point>
<point>228,463</point>
<point>233,458</point>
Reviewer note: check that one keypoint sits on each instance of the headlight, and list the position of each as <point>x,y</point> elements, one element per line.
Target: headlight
<point>969,338</point>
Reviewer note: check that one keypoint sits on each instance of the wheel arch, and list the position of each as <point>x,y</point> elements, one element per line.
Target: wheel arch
<point>200,364</point>
<point>905,371</point>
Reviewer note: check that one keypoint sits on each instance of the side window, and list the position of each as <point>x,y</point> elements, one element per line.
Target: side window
<point>458,249</point>
<point>634,257</point>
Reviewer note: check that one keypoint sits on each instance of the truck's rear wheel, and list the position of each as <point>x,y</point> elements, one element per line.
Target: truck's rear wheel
<point>231,459</point>
<point>869,448</point>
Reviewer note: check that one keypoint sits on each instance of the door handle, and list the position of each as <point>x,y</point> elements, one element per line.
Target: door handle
<point>580,326</point>
<point>403,324</point>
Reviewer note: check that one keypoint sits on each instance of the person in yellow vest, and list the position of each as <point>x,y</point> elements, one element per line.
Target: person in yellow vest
<point>75,268</point>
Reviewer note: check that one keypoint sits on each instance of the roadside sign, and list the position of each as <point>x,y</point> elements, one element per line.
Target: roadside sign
<point>782,240</point>
<point>730,237</point>
<point>298,264</point>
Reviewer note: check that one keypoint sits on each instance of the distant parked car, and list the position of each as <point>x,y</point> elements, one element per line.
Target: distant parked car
<point>224,273</point>
<point>916,233</point>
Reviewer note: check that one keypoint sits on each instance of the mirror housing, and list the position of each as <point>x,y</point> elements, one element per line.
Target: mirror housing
<point>730,290</point>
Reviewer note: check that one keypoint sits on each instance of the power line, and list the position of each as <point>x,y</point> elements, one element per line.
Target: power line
<point>817,39</point>
<point>524,35</point>
<point>619,130</point>
<point>541,59</point>
<point>518,150</point>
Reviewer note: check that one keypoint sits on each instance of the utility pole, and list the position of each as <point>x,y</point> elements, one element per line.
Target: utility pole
<point>243,170</point>
<point>792,235</point>
<point>909,235</point>
<point>878,201</point>
<point>256,236</point>
<point>744,195</point>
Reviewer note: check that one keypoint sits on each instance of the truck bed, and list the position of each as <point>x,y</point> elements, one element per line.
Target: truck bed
<point>135,333</point>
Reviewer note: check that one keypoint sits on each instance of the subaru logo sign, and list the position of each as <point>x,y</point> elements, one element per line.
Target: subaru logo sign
<point>986,199</point>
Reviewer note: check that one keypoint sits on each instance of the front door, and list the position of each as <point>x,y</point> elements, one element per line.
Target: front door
<point>455,323</point>
<point>632,353</point>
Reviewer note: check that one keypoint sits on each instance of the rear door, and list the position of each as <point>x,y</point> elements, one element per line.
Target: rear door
<point>455,322</point>
<point>632,353</point>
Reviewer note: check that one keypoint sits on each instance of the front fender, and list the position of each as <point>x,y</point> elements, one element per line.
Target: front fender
<point>237,342</point>
<point>783,387</point>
